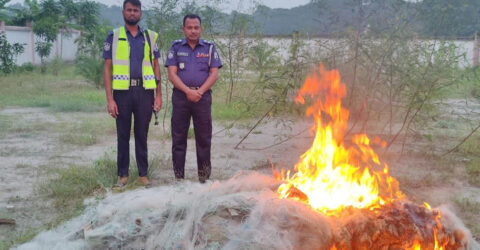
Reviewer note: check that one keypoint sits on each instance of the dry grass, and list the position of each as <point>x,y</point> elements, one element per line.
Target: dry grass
<point>469,210</point>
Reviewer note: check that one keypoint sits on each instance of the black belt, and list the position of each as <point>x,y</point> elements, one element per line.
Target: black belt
<point>195,88</point>
<point>136,82</point>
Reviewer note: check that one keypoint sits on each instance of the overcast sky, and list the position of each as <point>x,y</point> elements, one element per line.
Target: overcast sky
<point>242,5</point>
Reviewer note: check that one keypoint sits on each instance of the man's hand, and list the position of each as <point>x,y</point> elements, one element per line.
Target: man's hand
<point>193,95</point>
<point>157,104</point>
<point>112,108</point>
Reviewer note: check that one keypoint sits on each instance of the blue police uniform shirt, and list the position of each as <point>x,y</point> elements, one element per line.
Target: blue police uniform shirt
<point>137,44</point>
<point>192,64</point>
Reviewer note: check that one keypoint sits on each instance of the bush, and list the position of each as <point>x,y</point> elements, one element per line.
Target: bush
<point>56,64</point>
<point>91,68</point>
<point>26,67</point>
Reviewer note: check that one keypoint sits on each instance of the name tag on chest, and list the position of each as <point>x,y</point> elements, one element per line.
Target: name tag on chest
<point>201,55</point>
<point>182,53</point>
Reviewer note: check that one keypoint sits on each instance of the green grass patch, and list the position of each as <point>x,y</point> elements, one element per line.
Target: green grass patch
<point>473,171</point>
<point>471,150</point>
<point>467,84</point>
<point>72,185</point>
<point>65,92</point>
<point>471,146</point>
<point>236,110</point>
<point>251,99</point>
<point>81,102</point>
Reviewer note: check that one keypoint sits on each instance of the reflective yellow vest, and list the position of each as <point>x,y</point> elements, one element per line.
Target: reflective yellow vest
<point>121,60</point>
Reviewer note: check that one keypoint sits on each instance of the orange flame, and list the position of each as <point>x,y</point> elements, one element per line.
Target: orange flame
<point>331,176</point>
<point>437,246</point>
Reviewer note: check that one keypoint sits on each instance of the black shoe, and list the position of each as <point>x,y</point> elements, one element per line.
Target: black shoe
<point>202,179</point>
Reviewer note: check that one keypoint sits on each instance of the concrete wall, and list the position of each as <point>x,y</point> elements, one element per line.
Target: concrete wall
<point>64,47</point>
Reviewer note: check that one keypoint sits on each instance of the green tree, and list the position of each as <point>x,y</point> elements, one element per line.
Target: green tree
<point>3,10</point>
<point>89,62</point>
<point>164,19</point>
<point>26,14</point>
<point>8,52</point>
<point>93,33</point>
<point>46,26</point>
<point>444,18</point>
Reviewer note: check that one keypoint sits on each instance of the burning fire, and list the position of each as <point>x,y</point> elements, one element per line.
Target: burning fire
<point>332,176</point>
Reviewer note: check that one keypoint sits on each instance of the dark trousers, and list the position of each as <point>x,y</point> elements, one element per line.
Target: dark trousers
<point>137,101</point>
<point>201,114</point>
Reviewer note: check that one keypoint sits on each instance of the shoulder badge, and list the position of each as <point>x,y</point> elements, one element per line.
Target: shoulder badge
<point>176,41</point>
<point>208,41</point>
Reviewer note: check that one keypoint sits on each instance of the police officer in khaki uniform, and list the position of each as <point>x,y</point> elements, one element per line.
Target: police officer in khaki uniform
<point>131,75</point>
<point>193,66</point>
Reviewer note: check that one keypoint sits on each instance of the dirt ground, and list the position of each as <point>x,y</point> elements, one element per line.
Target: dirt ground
<point>29,152</point>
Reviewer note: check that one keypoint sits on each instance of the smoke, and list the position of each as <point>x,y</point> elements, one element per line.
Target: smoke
<point>243,212</point>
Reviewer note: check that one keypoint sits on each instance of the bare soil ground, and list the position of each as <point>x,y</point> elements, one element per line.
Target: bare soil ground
<point>33,146</point>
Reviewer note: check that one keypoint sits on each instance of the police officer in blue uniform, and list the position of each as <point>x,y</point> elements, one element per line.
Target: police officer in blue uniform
<point>193,66</point>
<point>137,95</point>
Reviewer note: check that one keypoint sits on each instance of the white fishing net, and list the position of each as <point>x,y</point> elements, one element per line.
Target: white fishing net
<point>243,212</point>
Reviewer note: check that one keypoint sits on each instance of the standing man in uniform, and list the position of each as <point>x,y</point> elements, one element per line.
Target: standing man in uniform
<point>131,75</point>
<point>193,66</point>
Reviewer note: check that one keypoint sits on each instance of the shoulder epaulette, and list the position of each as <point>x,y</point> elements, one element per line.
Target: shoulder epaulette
<point>209,42</point>
<point>176,41</point>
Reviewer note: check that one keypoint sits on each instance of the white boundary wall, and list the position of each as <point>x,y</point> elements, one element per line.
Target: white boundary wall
<point>468,48</point>
<point>64,47</point>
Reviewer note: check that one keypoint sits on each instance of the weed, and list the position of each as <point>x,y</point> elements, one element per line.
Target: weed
<point>473,171</point>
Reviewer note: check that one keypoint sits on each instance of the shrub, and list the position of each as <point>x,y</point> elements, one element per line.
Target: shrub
<point>91,68</point>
